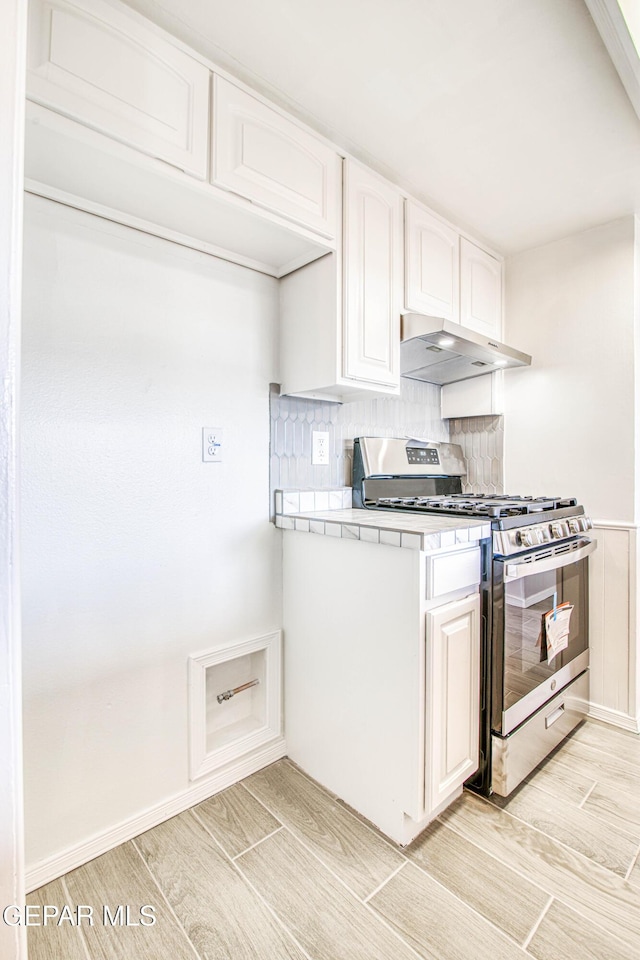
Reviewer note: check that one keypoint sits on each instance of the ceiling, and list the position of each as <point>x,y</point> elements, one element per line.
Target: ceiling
<point>505,115</point>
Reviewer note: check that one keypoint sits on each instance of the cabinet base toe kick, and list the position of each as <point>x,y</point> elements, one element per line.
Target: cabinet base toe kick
<point>515,756</point>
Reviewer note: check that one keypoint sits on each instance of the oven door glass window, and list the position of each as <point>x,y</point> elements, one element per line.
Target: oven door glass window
<point>526,662</point>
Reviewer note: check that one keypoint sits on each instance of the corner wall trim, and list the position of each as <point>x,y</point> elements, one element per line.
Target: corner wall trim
<point>56,866</point>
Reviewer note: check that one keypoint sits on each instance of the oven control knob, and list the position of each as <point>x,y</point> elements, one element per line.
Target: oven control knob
<point>588,525</point>
<point>559,530</point>
<point>526,538</point>
<point>575,525</point>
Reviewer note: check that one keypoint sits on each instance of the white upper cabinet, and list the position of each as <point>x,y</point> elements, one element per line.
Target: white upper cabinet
<point>373,277</point>
<point>480,290</point>
<point>266,157</point>
<point>97,64</point>
<point>432,264</point>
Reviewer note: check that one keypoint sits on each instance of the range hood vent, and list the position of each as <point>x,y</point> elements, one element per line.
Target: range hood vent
<point>439,351</point>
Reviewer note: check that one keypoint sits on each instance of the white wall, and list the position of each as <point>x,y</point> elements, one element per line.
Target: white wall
<point>135,553</point>
<point>12,78</point>
<point>570,424</point>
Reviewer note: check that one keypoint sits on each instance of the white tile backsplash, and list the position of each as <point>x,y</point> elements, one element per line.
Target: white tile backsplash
<point>416,412</point>
<point>482,442</point>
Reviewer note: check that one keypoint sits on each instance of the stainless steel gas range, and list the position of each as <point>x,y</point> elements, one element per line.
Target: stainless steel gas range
<point>535,592</point>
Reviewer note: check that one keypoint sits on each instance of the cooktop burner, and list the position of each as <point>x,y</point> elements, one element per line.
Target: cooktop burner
<point>481,505</point>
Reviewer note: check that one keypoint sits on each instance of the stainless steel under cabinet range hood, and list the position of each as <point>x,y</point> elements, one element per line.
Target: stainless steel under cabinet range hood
<point>440,351</point>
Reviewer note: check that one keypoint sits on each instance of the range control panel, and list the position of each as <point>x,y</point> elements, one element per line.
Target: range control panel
<point>427,455</point>
<point>506,542</point>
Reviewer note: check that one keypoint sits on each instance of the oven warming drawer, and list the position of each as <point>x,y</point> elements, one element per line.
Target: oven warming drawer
<point>515,756</point>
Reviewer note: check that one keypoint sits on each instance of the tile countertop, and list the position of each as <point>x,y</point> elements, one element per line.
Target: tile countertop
<point>415,531</point>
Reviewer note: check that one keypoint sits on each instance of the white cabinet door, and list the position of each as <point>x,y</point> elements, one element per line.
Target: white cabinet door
<point>480,290</point>
<point>92,62</point>
<point>432,264</point>
<point>452,698</point>
<point>373,291</point>
<point>264,156</point>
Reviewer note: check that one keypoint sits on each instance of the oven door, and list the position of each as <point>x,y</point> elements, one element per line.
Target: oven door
<point>525,588</point>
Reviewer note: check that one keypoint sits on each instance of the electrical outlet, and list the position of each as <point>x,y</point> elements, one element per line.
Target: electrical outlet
<point>320,448</point>
<point>211,444</point>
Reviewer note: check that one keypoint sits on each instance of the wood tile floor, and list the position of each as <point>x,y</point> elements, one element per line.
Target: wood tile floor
<point>276,869</point>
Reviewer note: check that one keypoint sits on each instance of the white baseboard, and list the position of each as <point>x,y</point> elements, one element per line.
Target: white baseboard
<point>614,717</point>
<point>47,870</point>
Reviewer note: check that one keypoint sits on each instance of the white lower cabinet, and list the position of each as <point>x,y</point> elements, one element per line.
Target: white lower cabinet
<point>381,683</point>
<point>453,698</point>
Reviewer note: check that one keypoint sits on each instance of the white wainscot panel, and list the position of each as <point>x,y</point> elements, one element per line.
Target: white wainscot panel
<point>613,625</point>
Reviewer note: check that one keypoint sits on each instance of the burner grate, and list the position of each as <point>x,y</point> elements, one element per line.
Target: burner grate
<point>480,505</point>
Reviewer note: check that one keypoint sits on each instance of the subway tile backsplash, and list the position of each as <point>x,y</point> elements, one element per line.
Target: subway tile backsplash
<point>415,413</point>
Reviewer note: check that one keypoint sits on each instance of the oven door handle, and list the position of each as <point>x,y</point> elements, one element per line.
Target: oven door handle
<point>516,571</point>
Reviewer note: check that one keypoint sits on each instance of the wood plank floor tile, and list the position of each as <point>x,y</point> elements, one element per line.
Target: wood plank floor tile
<point>616,807</point>
<point>356,854</point>
<point>236,819</point>
<point>608,739</point>
<point>489,886</point>
<point>588,888</point>
<point>326,919</point>
<point>556,778</point>
<point>634,876</point>
<point>435,923</point>
<point>605,768</point>
<point>119,877</point>
<point>222,915</point>
<point>610,846</point>
<point>564,934</point>
<point>53,942</point>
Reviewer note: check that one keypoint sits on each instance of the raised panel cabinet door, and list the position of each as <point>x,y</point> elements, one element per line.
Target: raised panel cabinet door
<point>480,290</point>
<point>432,262</point>
<point>373,272</point>
<point>267,158</point>
<point>92,62</point>
<point>452,698</point>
